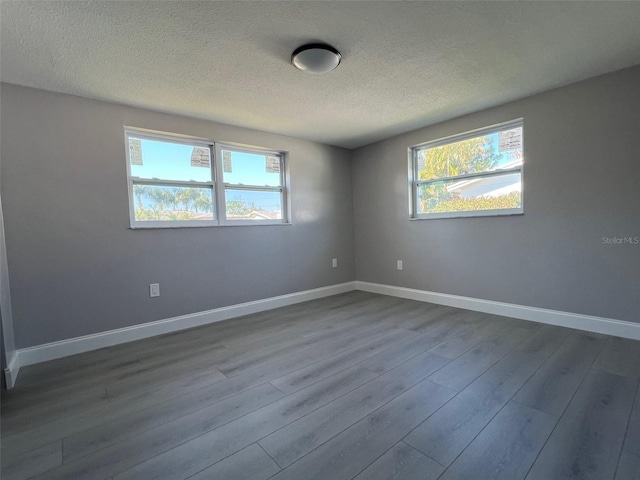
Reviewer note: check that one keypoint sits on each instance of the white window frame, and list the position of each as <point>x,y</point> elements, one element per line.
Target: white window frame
<point>223,187</point>
<point>414,182</point>
<point>216,184</point>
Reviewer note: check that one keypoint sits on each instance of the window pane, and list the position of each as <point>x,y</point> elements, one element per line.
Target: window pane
<point>253,205</point>
<point>497,150</point>
<point>494,192</point>
<point>257,169</point>
<point>154,202</point>
<point>169,161</point>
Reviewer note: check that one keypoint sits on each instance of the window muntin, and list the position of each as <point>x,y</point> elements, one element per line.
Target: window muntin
<point>176,182</point>
<point>474,174</point>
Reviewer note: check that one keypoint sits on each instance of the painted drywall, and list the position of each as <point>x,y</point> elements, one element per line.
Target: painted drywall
<point>76,266</point>
<point>3,360</point>
<point>581,183</point>
<point>7,340</point>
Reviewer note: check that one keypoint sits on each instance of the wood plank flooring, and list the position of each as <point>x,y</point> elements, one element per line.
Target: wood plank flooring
<point>354,386</point>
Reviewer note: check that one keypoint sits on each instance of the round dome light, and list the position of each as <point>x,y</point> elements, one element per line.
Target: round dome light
<point>315,58</point>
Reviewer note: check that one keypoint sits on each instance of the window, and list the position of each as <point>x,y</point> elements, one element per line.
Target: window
<point>253,184</point>
<point>176,181</point>
<point>473,174</point>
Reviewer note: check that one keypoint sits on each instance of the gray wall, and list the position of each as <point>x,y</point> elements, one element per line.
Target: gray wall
<point>7,340</point>
<point>581,183</point>
<point>76,267</point>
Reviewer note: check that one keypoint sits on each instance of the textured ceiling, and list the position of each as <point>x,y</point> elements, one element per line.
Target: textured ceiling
<point>405,64</point>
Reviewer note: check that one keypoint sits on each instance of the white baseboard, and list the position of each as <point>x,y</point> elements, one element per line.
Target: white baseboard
<point>11,372</point>
<point>72,346</point>
<point>608,326</point>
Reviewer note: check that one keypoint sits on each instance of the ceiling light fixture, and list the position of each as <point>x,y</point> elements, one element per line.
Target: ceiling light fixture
<point>316,58</point>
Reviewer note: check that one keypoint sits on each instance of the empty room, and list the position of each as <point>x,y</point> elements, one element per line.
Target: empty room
<point>320,240</point>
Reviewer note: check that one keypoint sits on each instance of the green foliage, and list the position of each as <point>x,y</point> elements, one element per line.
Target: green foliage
<point>171,203</point>
<point>239,207</point>
<point>180,203</point>
<point>509,200</point>
<point>189,197</point>
<point>148,214</point>
<point>141,191</point>
<point>468,156</point>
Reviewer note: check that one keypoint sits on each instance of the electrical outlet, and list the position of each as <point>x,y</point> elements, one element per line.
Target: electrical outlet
<point>399,264</point>
<point>154,289</point>
<point>334,263</point>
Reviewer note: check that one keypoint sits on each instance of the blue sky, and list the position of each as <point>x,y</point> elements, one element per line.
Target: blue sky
<point>172,161</point>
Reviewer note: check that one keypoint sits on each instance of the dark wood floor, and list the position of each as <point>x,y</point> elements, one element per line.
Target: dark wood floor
<point>355,386</point>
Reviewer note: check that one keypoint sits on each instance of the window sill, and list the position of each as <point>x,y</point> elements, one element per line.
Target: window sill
<point>163,227</point>
<point>467,215</point>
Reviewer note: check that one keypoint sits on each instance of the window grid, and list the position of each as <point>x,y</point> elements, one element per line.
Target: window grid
<point>489,174</point>
<point>216,186</point>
